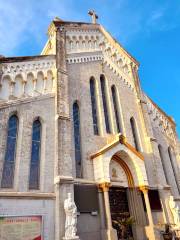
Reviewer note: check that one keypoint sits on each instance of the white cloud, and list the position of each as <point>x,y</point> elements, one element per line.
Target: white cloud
<point>27,20</point>
<point>21,19</point>
<point>14,20</point>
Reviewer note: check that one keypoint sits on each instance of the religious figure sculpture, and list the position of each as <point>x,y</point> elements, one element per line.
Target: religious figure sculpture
<point>174,210</point>
<point>71,218</point>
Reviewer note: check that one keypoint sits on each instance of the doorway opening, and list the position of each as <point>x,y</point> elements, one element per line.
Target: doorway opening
<point>120,212</point>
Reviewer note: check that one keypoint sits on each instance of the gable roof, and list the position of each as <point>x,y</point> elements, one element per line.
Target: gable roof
<point>75,25</point>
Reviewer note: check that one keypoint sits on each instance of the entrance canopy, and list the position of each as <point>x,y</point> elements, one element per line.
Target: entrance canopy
<point>129,159</point>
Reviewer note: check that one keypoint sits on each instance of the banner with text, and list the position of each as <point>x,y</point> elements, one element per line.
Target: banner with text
<point>21,228</point>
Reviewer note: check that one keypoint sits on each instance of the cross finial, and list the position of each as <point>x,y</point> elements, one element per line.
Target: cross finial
<point>94,16</point>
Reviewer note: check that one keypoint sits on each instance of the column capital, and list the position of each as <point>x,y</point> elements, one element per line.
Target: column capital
<point>104,186</point>
<point>12,83</point>
<point>122,139</point>
<point>144,188</point>
<point>24,81</point>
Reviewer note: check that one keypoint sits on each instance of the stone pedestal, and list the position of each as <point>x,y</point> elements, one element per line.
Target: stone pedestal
<point>73,238</point>
<point>112,234</point>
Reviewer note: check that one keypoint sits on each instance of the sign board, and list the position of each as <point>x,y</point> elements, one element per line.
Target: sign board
<point>21,228</point>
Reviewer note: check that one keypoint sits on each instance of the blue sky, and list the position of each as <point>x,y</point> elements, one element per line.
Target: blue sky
<point>148,29</point>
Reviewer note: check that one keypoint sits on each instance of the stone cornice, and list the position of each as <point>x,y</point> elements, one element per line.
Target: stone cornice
<point>14,102</point>
<point>76,58</point>
<point>162,112</point>
<point>118,45</point>
<point>164,123</point>
<point>26,58</point>
<point>29,195</point>
<point>122,140</point>
<point>23,67</point>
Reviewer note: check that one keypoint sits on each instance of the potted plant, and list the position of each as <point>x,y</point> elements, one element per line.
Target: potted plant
<point>167,233</point>
<point>124,225</point>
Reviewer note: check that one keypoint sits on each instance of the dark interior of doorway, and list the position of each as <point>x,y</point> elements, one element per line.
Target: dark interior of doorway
<point>119,210</point>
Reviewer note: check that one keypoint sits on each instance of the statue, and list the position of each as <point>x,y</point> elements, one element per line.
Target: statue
<point>174,210</point>
<point>71,218</point>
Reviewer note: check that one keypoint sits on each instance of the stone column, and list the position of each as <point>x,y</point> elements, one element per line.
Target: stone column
<point>163,202</point>
<point>23,87</point>
<point>111,233</point>
<point>12,84</point>
<point>102,213</point>
<point>34,85</point>
<point>150,229</point>
<point>44,84</point>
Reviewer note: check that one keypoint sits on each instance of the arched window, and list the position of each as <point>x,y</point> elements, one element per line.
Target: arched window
<point>104,99</point>
<point>163,164</point>
<point>134,134</point>
<point>34,177</point>
<point>77,139</point>
<point>173,167</point>
<point>9,162</point>
<point>94,105</point>
<point>115,104</point>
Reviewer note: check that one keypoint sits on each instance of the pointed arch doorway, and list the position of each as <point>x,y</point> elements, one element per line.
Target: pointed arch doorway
<point>129,172</point>
<point>121,179</point>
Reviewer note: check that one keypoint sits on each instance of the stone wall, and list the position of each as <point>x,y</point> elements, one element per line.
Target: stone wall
<point>27,111</point>
<point>79,77</point>
<point>30,207</point>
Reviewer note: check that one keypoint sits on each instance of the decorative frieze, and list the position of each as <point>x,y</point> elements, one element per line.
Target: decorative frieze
<point>88,41</point>
<point>160,120</point>
<point>27,78</point>
<point>84,58</point>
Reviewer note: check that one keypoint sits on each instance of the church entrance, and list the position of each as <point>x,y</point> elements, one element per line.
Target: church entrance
<point>120,212</point>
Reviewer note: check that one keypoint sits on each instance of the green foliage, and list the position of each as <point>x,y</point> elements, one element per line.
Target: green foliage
<point>124,221</point>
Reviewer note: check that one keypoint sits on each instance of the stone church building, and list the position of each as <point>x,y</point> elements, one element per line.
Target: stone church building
<point>74,119</point>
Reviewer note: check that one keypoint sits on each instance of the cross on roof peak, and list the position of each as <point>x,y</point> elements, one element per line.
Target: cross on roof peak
<point>94,16</point>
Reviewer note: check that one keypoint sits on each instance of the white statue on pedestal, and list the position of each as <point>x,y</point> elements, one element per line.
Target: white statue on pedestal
<point>174,210</point>
<point>71,218</point>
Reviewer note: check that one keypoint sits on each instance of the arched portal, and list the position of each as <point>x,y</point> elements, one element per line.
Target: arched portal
<point>124,174</point>
<point>124,198</point>
<point>119,165</point>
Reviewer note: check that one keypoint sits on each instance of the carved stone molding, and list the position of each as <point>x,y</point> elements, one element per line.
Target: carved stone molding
<point>161,121</point>
<point>104,186</point>
<point>26,78</point>
<point>143,189</point>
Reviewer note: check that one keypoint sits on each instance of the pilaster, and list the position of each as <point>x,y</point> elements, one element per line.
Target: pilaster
<point>63,166</point>
<point>111,233</point>
<point>149,229</point>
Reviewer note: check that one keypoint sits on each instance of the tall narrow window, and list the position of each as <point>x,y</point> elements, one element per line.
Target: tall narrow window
<point>115,104</point>
<point>34,178</point>
<point>134,134</point>
<point>77,139</point>
<point>162,161</point>
<point>104,99</point>
<point>94,105</point>
<point>173,167</point>
<point>9,161</point>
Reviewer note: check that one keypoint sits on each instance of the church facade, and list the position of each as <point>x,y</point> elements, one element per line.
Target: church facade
<point>75,120</point>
